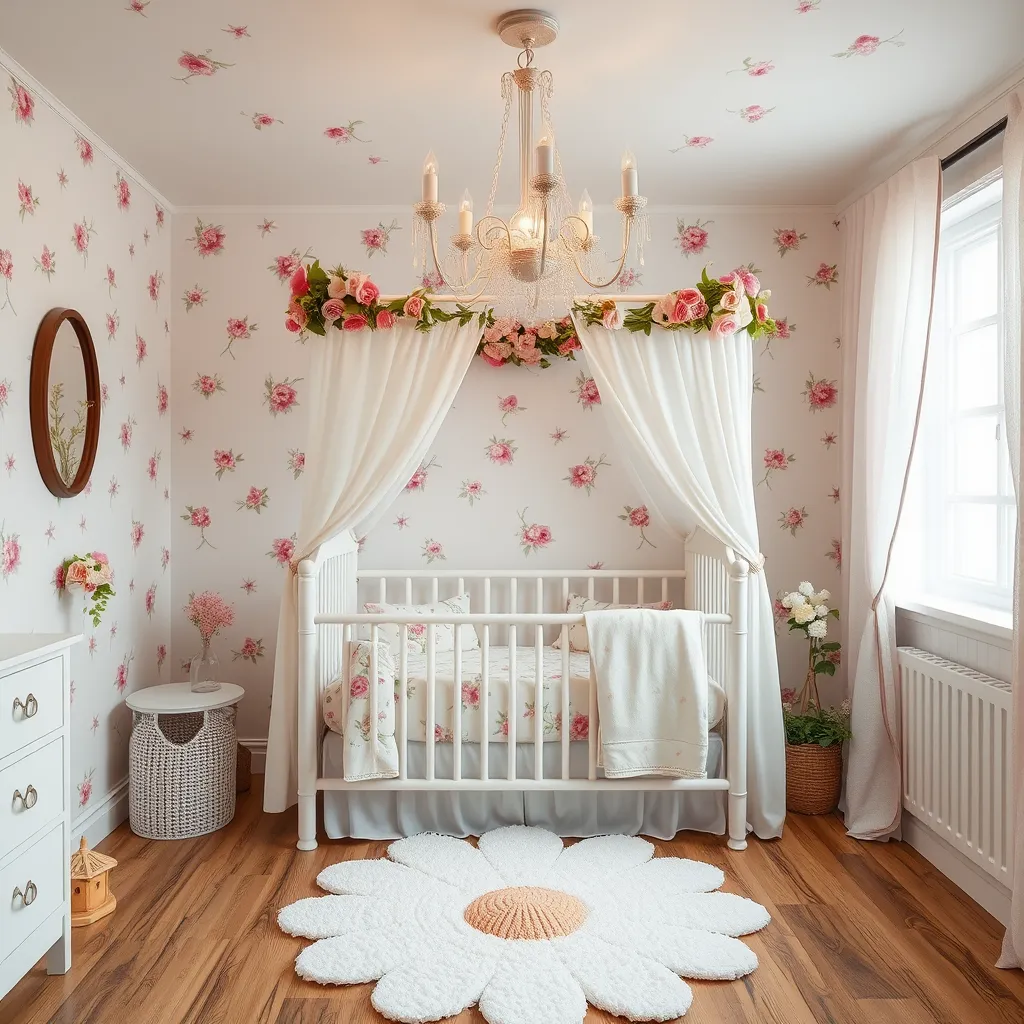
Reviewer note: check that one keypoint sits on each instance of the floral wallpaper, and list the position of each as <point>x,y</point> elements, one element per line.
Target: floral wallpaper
<point>524,472</point>
<point>77,231</point>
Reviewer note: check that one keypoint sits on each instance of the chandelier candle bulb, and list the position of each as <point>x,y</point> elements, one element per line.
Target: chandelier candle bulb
<point>546,155</point>
<point>430,178</point>
<point>586,211</point>
<point>466,214</point>
<point>629,183</point>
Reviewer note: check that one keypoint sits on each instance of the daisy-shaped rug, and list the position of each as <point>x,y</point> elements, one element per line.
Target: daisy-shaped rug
<point>527,928</point>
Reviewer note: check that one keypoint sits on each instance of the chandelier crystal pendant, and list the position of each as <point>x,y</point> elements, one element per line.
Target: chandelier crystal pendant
<point>529,264</point>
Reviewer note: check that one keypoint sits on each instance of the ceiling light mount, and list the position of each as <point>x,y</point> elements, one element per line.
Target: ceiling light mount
<point>527,29</point>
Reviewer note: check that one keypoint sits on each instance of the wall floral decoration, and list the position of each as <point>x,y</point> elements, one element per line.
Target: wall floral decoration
<point>376,239</point>
<point>693,238</point>
<point>864,46</point>
<point>200,65</point>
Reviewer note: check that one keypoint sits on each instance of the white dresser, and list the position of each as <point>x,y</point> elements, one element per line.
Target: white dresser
<point>35,803</point>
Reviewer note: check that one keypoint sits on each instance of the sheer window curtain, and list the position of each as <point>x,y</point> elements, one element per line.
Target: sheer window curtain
<point>890,247</point>
<point>1013,349</point>
<point>680,410</point>
<point>378,401</point>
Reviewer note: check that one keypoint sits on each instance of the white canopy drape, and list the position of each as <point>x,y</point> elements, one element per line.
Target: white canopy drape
<point>680,408</point>
<point>378,399</point>
<point>1013,352</point>
<point>890,246</point>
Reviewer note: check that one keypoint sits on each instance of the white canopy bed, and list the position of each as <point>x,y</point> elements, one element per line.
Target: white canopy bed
<point>680,398</point>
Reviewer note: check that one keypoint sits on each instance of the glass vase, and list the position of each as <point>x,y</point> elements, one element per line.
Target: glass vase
<point>204,671</point>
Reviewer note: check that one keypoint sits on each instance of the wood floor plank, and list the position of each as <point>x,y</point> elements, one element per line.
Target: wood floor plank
<point>861,933</point>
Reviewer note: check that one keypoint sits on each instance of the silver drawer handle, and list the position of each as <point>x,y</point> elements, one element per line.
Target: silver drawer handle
<point>29,708</point>
<point>28,897</point>
<point>29,800</point>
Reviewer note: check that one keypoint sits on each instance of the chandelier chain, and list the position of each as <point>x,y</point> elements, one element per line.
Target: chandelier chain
<point>506,92</point>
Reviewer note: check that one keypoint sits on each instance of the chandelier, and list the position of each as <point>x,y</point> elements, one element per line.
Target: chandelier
<point>529,264</point>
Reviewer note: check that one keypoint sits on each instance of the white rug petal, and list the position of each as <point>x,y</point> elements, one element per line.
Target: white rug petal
<point>592,860</point>
<point>432,988</point>
<point>530,986</point>
<point>520,854</point>
<point>722,912</point>
<point>320,917</point>
<point>623,983</point>
<point>698,954</point>
<point>662,875</point>
<point>367,877</point>
<point>450,860</point>
<point>343,961</point>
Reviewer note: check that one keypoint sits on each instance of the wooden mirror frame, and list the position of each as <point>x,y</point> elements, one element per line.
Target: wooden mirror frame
<point>39,391</point>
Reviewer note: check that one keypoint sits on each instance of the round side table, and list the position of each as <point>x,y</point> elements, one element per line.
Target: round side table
<point>182,758</point>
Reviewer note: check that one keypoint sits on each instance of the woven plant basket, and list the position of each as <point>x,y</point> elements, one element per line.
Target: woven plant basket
<point>814,777</point>
<point>243,769</point>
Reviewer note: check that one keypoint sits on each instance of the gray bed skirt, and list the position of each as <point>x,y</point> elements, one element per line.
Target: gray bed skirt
<point>364,814</point>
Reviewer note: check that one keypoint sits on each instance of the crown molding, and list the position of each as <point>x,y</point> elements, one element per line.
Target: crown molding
<point>41,93</point>
<point>972,119</point>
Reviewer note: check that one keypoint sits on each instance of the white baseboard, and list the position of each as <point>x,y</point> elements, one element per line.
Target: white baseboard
<point>986,891</point>
<point>98,822</point>
<point>258,746</point>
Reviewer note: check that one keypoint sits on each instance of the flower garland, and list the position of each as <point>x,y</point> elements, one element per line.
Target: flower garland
<point>723,306</point>
<point>349,301</point>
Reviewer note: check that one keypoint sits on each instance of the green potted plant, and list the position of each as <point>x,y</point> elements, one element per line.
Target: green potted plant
<point>814,735</point>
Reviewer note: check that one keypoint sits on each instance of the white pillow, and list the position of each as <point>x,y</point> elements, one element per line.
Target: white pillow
<point>578,604</point>
<point>444,635</point>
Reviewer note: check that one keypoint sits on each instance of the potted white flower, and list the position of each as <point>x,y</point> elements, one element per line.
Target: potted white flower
<point>814,735</point>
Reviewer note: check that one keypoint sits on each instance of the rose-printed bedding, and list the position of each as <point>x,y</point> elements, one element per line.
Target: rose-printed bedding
<point>358,760</point>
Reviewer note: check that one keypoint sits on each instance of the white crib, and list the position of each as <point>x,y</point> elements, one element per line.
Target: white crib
<point>714,581</point>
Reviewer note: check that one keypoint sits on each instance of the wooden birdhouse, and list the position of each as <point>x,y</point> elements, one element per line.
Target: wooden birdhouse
<point>91,897</point>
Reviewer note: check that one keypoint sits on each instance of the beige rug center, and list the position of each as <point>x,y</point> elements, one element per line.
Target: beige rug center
<point>526,912</point>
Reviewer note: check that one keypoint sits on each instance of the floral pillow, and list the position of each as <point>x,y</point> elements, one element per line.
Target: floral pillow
<point>578,604</point>
<point>444,635</point>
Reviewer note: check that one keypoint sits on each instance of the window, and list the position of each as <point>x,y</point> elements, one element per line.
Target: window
<point>964,491</point>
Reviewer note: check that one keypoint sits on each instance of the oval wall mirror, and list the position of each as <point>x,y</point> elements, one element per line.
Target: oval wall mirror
<point>64,402</point>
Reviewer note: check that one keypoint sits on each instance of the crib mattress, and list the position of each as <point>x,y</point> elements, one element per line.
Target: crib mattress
<point>497,725</point>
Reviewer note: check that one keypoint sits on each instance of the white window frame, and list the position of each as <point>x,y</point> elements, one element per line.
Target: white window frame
<point>964,224</point>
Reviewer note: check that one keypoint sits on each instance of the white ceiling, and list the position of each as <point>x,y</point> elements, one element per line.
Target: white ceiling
<point>424,74</point>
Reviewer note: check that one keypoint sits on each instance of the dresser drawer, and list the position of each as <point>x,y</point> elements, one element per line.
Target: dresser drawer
<point>39,874</point>
<point>31,704</point>
<point>31,794</point>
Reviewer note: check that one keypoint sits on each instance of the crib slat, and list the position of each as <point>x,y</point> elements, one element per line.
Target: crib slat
<point>590,587</point>
<point>640,590</point>
<point>484,686</point>
<point>457,707</point>
<point>346,672</point>
<point>538,703</point>
<point>485,683</point>
<point>403,706</point>
<point>382,595</point>
<point>615,590</point>
<point>431,696</point>
<point>408,590</point>
<point>374,693</point>
<point>592,730</point>
<point>664,588</point>
<point>513,703</point>
<point>433,591</point>
<point>565,702</point>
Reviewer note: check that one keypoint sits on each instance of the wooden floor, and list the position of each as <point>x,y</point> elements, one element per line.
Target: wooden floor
<point>860,933</point>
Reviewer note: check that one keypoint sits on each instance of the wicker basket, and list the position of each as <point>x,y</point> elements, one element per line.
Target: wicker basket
<point>243,769</point>
<point>182,773</point>
<point>814,777</point>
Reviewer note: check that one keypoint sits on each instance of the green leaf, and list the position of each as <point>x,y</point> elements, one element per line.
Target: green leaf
<point>316,328</point>
<point>832,645</point>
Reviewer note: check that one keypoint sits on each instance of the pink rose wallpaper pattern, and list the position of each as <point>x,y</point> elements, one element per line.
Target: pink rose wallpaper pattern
<point>524,472</point>
<point>64,241</point>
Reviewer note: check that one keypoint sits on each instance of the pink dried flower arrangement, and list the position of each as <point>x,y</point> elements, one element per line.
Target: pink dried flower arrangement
<point>209,613</point>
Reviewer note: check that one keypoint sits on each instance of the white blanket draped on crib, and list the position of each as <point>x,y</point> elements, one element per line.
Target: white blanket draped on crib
<point>652,692</point>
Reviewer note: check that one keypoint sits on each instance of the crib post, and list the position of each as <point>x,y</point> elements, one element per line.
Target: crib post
<point>736,691</point>
<point>308,706</point>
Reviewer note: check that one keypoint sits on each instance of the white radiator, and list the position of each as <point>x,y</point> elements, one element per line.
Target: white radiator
<point>958,757</point>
